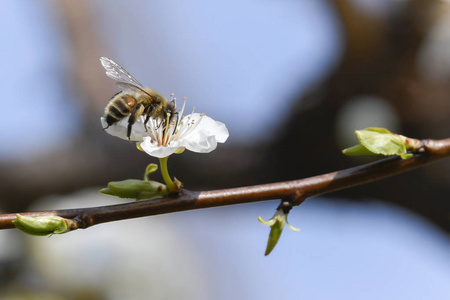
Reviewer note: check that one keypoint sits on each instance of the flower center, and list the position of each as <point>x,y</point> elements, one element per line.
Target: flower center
<point>163,133</point>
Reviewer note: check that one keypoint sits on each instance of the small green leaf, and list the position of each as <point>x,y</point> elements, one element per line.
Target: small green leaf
<point>135,189</point>
<point>381,141</point>
<point>357,150</point>
<point>294,229</point>
<point>267,223</point>
<point>43,225</point>
<point>150,169</point>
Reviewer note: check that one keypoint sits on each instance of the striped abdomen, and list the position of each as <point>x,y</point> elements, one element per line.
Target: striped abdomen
<point>119,107</point>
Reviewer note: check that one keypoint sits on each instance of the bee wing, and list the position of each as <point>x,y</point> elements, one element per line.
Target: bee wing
<point>130,87</point>
<point>120,75</point>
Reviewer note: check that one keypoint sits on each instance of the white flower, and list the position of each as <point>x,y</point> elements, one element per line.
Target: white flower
<point>119,129</point>
<point>195,132</point>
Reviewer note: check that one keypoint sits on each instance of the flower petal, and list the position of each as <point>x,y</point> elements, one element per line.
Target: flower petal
<point>206,135</point>
<point>119,129</point>
<point>212,127</point>
<point>202,143</point>
<point>151,148</point>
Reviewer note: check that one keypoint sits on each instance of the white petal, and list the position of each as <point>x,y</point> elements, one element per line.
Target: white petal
<point>206,135</point>
<point>152,148</point>
<point>204,144</point>
<point>120,129</point>
<point>216,128</point>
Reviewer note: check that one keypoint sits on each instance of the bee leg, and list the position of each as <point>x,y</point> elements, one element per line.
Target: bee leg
<point>162,121</point>
<point>136,113</point>
<point>145,122</point>
<point>176,123</point>
<point>148,111</point>
<point>160,124</point>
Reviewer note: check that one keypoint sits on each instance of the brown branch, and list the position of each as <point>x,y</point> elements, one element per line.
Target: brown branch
<point>297,191</point>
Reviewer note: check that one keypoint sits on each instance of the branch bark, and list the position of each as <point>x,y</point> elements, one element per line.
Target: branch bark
<point>296,191</point>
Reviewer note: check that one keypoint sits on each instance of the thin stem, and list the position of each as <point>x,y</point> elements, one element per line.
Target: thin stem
<point>171,186</point>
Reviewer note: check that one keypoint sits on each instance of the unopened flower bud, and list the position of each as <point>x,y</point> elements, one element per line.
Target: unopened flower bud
<point>135,189</point>
<point>276,228</point>
<point>43,225</point>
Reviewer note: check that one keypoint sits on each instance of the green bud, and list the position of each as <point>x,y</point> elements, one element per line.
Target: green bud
<point>275,232</point>
<point>43,225</point>
<point>135,189</point>
<point>276,228</point>
<point>379,141</point>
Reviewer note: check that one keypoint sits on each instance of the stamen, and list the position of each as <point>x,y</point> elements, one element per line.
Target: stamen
<point>154,132</point>
<point>182,109</point>
<point>165,130</point>
<point>190,125</point>
<point>161,131</point>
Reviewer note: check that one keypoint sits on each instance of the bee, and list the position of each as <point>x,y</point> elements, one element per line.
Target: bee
<point>135,100</point>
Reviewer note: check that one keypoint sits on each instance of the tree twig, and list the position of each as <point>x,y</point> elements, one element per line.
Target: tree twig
<point>296,190</point>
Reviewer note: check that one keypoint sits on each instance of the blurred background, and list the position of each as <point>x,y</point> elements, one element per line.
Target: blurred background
<point>291,80</point>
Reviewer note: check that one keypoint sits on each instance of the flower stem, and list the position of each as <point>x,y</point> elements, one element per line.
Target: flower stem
<point>171,186</point>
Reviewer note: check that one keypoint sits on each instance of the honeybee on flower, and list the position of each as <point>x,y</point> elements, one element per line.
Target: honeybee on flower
<point>158,134</point>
